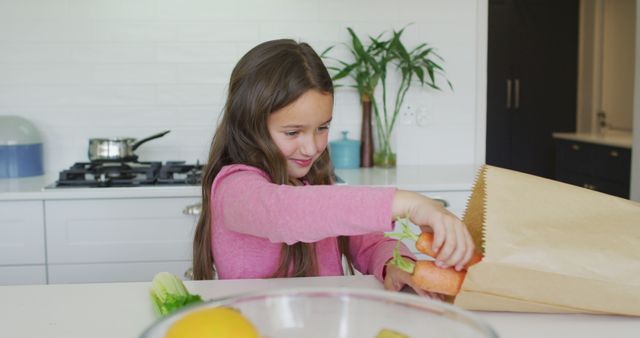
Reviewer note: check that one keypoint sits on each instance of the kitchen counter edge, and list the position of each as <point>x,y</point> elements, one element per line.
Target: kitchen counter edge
<point>416,178</point>
<point>610,138</point>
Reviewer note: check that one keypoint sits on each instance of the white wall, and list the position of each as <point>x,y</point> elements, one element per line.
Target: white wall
<point>618,56</point>
<point>94,68</point>
<point>589,61</point>
<point>635,155</point>
<point>606,73</point>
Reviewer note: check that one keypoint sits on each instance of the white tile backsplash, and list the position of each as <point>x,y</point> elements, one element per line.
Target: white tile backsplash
<point>112,9</point>
<point>97,68</point>
<point>45,74</point>
<point>203,73</point>
<point>34,9</point>
<point>190,94</point>
<point>196,52</point>
<point>34,53</point>
<point>207,31</point>
<point>21,97</point>
<point>113,52</point>
<point>128,31</point>
<point>42,30</point>
<point>134,73</point>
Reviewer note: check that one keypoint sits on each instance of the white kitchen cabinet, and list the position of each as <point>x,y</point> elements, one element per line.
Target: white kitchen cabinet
<point>100,240</point>
<point>130,234</point>
<point>455,201</point>
<point>114,272</point>
<point>23,274</point>
<point>22,256</point>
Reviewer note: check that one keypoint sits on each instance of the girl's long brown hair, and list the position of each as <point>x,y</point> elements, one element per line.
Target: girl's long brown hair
<point>269,77</point>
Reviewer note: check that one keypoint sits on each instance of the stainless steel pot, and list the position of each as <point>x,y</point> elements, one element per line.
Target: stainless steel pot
<point>117,149</point>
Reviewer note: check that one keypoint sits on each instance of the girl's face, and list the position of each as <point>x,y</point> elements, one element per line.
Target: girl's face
<point>301,130</point>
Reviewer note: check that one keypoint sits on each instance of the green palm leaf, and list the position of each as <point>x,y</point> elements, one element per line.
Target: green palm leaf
<point>370,64</point>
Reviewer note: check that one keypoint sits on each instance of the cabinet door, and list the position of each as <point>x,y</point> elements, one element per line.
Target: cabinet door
<point>593,166</point>
<point>499,82</point>
<point>21,233</point>
<point>545,81</point>
<point>535,95</point>
<point>23,275</point>
<point>611,188</point>
<point>612,164</point>
<point>114,272</point>
<point>573,157</point>
<point>119,230</point>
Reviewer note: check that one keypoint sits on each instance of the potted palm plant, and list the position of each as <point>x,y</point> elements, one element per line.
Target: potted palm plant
<point>368,69</point>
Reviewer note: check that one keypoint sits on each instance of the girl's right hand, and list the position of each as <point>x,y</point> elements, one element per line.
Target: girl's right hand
<point>451,241</point>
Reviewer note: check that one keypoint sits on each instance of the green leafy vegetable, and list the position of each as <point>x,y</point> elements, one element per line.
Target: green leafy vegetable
<point>401,262</point>
<point>406,231</point>
<point>169,294</point>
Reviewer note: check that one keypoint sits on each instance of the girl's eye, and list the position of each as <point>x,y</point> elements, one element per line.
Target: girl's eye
<point>323,128</point>
<point>291,133</point>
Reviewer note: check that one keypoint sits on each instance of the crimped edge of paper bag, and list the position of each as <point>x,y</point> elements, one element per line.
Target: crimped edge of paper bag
<point>475,210</point>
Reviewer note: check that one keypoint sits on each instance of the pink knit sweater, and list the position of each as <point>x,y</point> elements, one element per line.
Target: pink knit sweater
<point>252,217</point>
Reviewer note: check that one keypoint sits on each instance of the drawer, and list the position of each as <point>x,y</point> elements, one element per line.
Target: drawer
<point>574,156</point>
<point>612,163</point>
<point>21,233</point>
<point>594,166</point>
<point>112,273</point>
<point>119,230</point>
<point>581,180</point>
<point>592,183</point>
<point>607,187</point>
<point>22,275</point>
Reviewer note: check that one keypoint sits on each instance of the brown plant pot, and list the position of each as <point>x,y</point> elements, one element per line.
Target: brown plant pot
<point>366,135</point>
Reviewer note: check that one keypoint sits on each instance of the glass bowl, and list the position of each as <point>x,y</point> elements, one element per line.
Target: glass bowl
<point>342,312</point>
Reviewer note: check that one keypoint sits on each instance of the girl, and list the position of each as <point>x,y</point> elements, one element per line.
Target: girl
<point>269,206</point>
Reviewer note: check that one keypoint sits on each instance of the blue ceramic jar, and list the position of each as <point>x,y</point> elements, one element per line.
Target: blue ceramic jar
<point>20,148</point>
<point>345,153</point>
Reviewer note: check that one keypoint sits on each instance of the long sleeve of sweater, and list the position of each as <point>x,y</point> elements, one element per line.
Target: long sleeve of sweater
<point>371,252</point>
<point>251,204</point>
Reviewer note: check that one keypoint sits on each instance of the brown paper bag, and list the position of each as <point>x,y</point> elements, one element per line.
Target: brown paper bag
<point>551,247</point>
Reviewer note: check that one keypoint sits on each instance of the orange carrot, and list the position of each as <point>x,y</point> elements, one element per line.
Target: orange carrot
<point>424,244</point>
<point>427,276</point>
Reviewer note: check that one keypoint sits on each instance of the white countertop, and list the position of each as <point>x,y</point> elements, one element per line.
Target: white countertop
<point>417,178</point>
<point>609,138</point>
<point>35,188</point>
<point>124,310</point>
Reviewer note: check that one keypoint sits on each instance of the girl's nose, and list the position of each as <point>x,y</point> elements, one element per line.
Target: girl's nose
<point>309,146</point>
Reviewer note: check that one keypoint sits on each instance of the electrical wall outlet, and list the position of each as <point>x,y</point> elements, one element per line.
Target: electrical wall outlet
<point>423,116</point>
<point>408,115</point>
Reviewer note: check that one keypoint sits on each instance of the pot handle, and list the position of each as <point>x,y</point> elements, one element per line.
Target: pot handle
<point>137,144</point>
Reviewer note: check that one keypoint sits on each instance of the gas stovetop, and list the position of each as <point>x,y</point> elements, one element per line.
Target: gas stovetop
<point>129,174</point>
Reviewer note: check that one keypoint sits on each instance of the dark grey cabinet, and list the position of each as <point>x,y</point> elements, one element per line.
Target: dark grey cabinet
<point>531,81</point>
<point>594,166</point>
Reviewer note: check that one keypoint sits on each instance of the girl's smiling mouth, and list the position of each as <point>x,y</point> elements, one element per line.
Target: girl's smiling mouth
<point>303,163</point>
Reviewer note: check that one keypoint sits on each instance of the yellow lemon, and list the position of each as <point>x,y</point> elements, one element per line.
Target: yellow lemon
<point>217,322</point>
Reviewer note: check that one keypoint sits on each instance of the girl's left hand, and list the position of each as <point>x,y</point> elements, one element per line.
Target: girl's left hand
<point>395,279</point>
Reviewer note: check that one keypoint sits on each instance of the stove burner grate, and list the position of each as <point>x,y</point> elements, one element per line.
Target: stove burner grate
<point>129,174</point>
